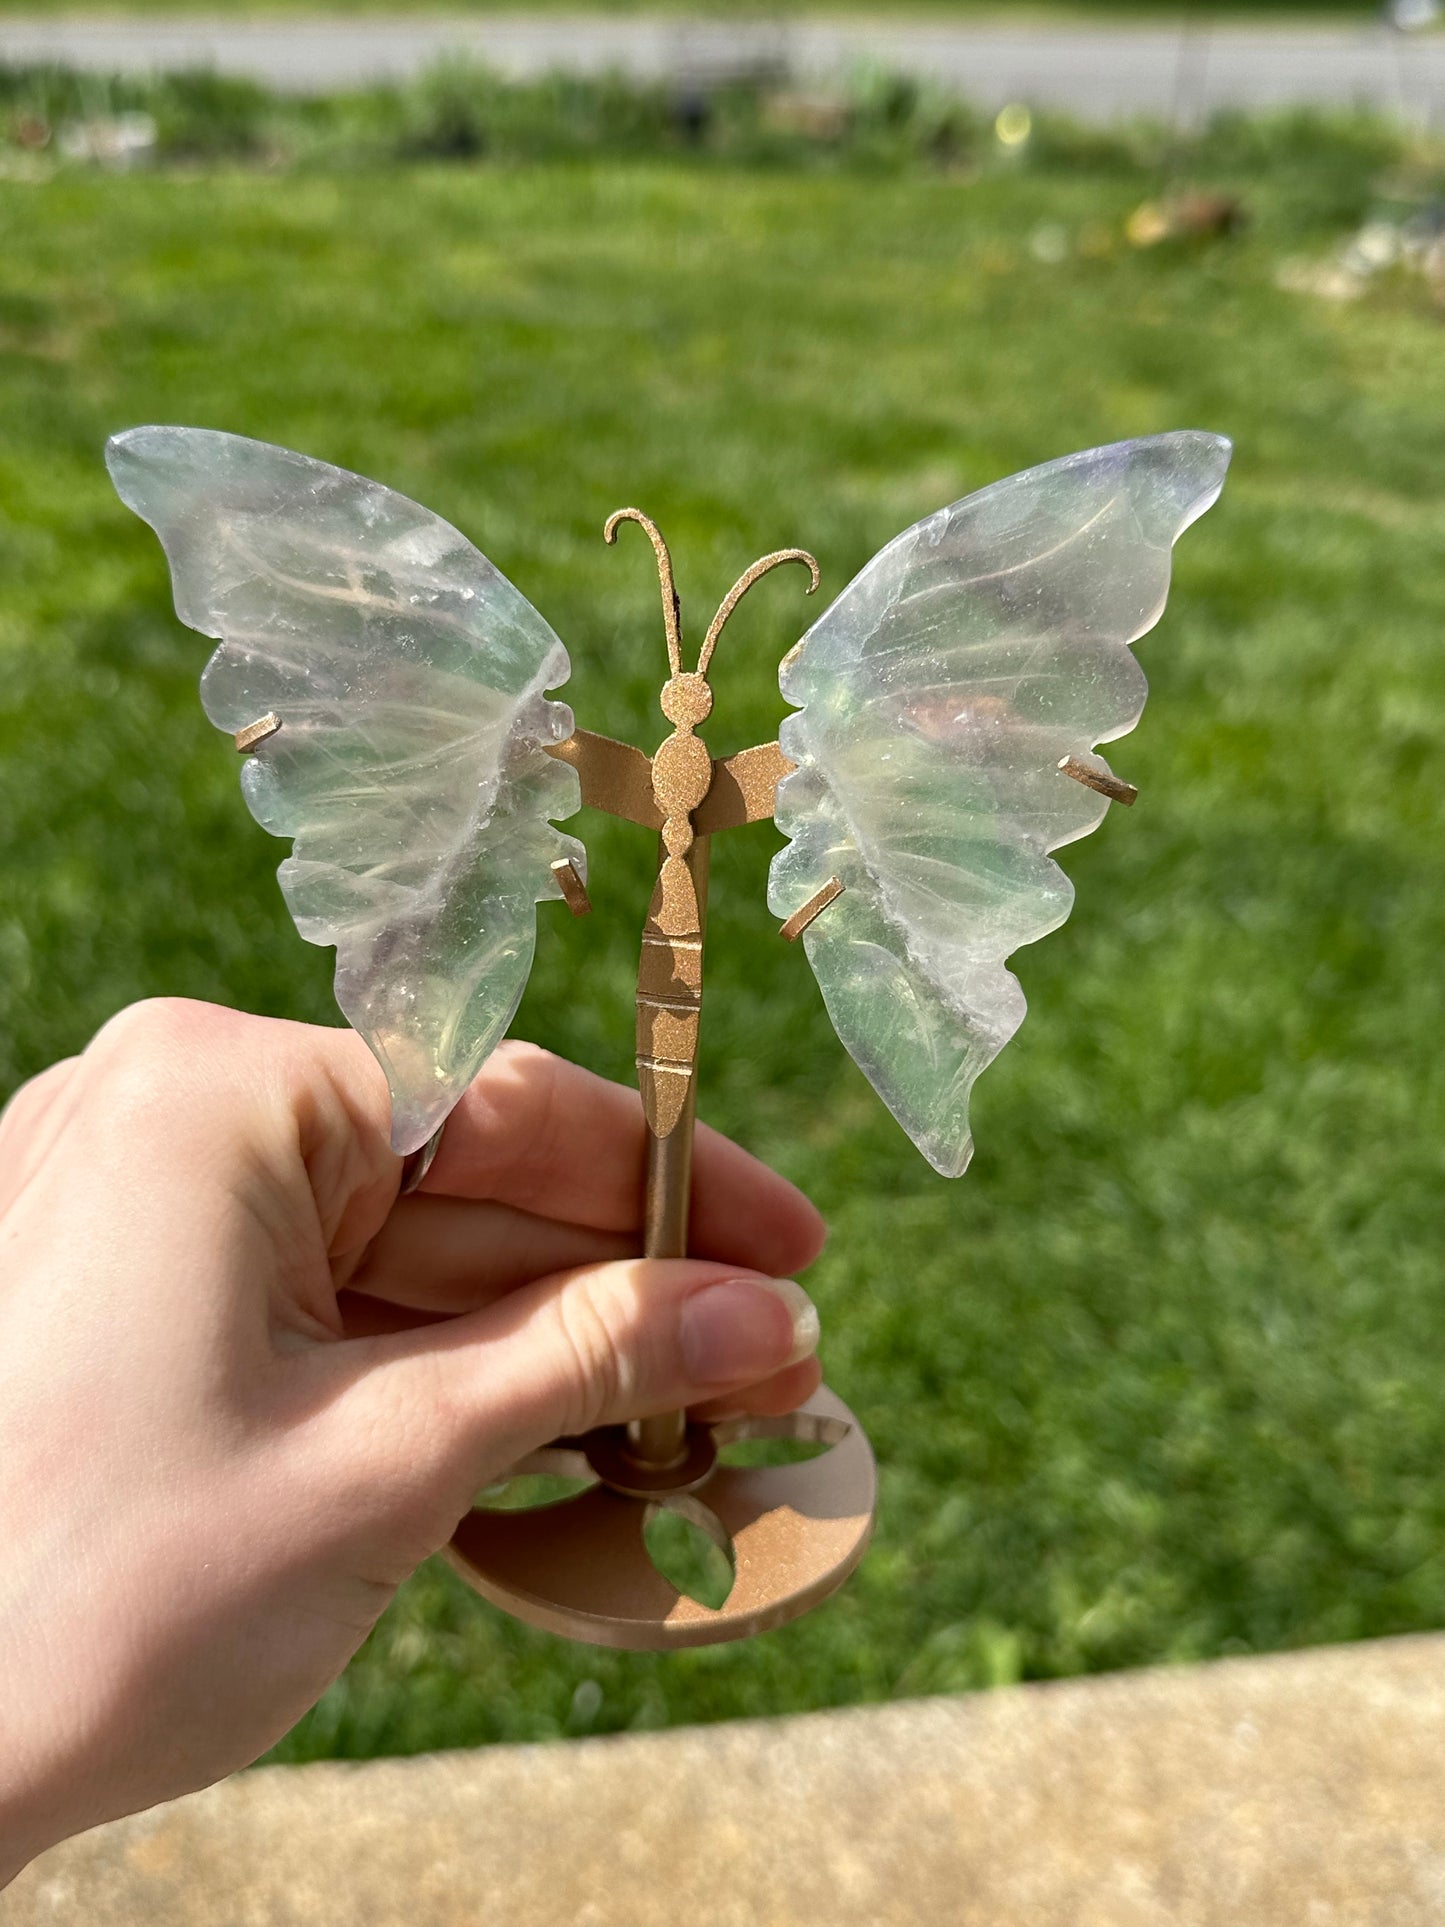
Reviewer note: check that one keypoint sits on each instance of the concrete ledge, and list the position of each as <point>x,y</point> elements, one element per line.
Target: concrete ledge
<point>1307,1789</point>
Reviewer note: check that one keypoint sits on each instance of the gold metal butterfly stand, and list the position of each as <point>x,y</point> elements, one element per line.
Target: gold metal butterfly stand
<point>792,1532</point>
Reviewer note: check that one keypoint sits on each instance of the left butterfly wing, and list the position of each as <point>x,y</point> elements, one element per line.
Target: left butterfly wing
<point>935,700</point>
<point>410,766</point>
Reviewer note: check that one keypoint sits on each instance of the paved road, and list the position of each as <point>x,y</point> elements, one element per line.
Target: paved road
<point>1098,73</point>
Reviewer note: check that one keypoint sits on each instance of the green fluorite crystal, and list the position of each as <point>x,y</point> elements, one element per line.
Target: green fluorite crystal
<point>936,697</point>
<point>410,766</point>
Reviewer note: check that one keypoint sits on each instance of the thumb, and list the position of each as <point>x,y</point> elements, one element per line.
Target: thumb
<point>464,1400</point>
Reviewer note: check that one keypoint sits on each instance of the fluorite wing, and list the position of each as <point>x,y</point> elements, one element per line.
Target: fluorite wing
<point>410,766</point>
<point>934,701</point>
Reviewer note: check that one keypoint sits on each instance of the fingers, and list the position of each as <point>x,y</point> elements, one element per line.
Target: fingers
<point>457,1255</point>
<point>558,1153</point>
<point>550,1138</point>
<point>785,1391</point>
<point>451,1255</point>
<point>450,1406</point>
<point>363,1316</point>
<point>296,1104</point>
<point>30,1124</point>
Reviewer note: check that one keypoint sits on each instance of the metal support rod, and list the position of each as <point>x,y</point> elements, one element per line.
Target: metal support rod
<point>581,1566</point>
<point>660,1440</point>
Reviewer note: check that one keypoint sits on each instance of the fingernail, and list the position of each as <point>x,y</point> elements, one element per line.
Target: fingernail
<point>732,1333</point>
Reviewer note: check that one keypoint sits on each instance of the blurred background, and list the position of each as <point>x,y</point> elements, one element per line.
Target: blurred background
<point>1158,1379</point>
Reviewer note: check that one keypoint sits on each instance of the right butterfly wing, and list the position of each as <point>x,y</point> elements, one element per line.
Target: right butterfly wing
<point>410,767</point>
<point>937,695</point>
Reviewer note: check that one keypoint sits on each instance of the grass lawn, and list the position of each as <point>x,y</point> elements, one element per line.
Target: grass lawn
<point>1160,1377</point>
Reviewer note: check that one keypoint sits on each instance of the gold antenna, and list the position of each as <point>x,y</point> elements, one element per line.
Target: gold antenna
<point>671,607</point>
<point>740,588</point>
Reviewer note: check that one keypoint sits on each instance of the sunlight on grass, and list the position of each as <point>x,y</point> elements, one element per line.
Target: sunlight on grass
<point>1158,1378</point>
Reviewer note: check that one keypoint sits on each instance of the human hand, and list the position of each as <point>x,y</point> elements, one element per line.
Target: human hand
<point>245,1390</point>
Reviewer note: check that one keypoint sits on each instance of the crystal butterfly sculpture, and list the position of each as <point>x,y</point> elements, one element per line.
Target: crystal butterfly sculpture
<point>934,703</point>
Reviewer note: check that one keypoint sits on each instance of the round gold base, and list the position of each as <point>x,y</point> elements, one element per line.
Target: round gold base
<point>580,1567</point>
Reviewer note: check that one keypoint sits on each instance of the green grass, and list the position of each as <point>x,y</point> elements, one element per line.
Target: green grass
<point>1158,1379</point>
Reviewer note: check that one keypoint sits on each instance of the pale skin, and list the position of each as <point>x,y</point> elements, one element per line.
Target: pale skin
<point>245,1389</point>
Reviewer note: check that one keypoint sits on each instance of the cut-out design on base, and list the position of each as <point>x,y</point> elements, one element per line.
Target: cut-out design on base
<point>530,1492</point>
<point>691,1549</point>
<point>581,1567</point>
